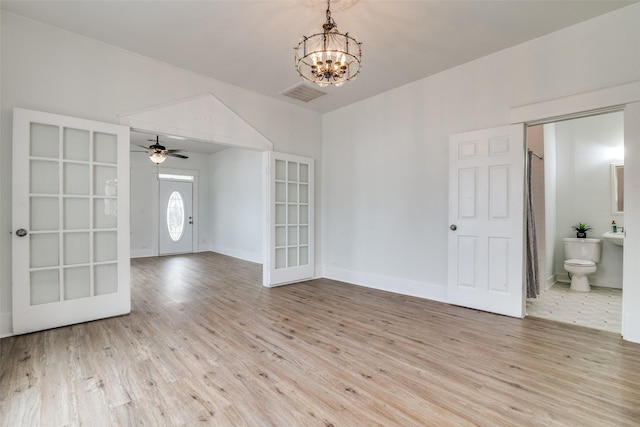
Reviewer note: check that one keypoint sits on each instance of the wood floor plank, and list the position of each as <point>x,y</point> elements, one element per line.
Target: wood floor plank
<point>206,344</point>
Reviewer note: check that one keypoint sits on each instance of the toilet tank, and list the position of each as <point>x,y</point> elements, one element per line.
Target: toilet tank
<point>589,249</point>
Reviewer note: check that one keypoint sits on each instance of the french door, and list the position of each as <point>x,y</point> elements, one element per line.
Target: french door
<point>289,242</point>
<point>70,220</point>
<point>175,217</point>
<point>486,217</point>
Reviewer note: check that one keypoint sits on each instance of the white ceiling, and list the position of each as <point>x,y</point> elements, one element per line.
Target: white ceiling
<point>250,43</point>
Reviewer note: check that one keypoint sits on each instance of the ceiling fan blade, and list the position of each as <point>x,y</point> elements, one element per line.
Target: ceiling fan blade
<point>142,146</point>
<point>180,156</point>
<point>174,151</point>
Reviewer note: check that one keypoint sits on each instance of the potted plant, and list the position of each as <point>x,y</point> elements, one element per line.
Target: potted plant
<point>581,230</point>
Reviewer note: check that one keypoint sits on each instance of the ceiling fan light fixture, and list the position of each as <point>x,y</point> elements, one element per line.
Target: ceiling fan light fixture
<point>157,158</point>
<point>329,57</point>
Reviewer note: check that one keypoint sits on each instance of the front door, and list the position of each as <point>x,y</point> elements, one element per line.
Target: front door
<point>289,242</point>
<point>70,220</point>
<point>486,220</point>
<point>175,217</point>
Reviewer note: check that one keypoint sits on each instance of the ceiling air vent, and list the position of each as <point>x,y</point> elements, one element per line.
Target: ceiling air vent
<point>303,92</point>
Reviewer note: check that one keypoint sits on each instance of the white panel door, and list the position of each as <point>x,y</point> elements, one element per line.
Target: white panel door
<point>175,217</point>
<point>486,217</point>
<point>70,220</point>
<point>289,239</point>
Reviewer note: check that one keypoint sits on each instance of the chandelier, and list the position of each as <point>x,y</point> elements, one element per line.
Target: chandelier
<point>329,57</point>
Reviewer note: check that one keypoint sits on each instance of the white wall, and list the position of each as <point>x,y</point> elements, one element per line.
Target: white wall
<point>46,69</point>
<point>385,158</point>
<point>585,149</point>
<point>236,203</point>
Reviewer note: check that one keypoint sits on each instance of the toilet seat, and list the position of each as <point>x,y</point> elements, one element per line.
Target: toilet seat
<point>580,263</point>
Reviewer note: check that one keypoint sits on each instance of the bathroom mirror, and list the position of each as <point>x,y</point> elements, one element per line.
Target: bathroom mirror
<point>617,188</point>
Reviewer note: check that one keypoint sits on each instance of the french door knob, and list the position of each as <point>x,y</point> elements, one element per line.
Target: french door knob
<point>21,232</point>
<point>453,227</point>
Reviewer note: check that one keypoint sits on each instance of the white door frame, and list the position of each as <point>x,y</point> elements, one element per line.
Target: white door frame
<point>627,97</point>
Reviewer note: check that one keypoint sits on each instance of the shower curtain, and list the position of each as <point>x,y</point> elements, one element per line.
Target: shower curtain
<point>533,281</point>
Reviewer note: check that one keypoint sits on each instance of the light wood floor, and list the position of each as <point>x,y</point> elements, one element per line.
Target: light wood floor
<point>206,344</point>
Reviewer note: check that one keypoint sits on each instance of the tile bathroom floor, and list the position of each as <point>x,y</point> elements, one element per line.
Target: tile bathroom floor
<point>601,308</point>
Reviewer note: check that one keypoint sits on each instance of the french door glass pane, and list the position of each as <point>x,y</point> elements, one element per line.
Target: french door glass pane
<point>304,193</point>
<point>292,258</point>
<point>76,248</point>
<point>105,246</point>
<point>106,279</point>
<point>76,144</point>
<point>292,172</point>
<point>304,214</point>
<point>77,282</point>
<point>76,179</point>
<point>293,193</point>
<point>44,141</point>
<point>281,236</point>
<point>44,250</point>
<point>76,213</point>
<point>281,170</point>
<point>281,214</point>
<point>293,235</point>
<point>281,192</point>
<point>105,148</point>
<point>43,177</point>
<point>281,258</point>
<point>304,173</point>
<point>304,235</point>
<point>105,181</point>
<point>304,255</point>
<point>44,214</point>
<point>45,287</point>
<point>105,213</point>
<point>292,217</point>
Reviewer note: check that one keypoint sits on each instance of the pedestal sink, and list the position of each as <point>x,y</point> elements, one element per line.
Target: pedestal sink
<point>615,238</point>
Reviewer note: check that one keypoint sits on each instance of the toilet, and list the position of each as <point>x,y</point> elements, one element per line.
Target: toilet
<point>581,256</point>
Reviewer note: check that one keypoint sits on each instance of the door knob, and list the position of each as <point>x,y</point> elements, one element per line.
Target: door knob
<point>453,227</point>
<point>21,232</point>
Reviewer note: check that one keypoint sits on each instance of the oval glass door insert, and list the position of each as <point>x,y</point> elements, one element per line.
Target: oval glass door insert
<point>175,216</point>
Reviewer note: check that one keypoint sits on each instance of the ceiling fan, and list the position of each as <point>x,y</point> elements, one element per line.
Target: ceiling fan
<point>158,153</point>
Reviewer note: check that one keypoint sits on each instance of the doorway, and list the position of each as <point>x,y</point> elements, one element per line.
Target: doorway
<point>571,182</point>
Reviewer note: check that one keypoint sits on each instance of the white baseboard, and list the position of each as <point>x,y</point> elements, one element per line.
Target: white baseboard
<point>243,255</point>
<point>388,283</point>
<point>141,253</point>
<point>6,325</point>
